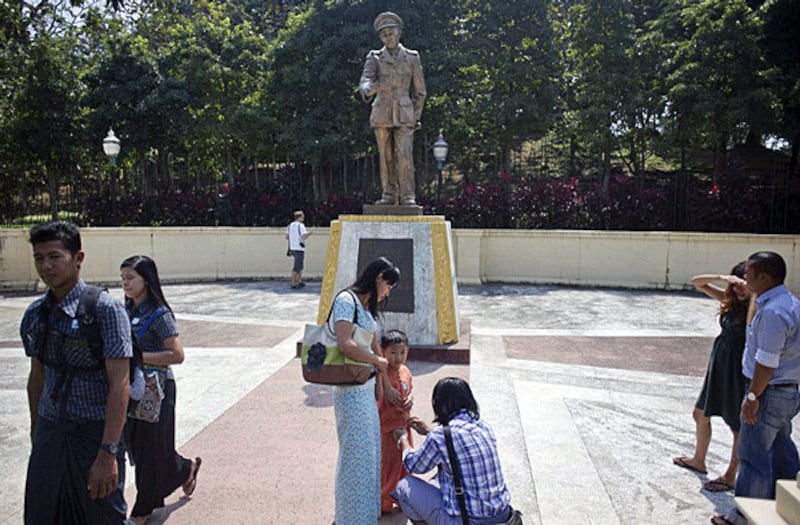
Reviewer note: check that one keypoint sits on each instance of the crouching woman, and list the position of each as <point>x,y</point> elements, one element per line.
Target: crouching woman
<point>486,497</point>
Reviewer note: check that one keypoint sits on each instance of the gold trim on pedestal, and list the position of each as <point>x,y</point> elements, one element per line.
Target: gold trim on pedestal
<point>443,276</point>
<point>329,273</point>
<point>392,218</point>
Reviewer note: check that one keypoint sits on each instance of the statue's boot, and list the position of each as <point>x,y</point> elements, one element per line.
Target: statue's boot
<point>408,200</point>
<point>386,200</point>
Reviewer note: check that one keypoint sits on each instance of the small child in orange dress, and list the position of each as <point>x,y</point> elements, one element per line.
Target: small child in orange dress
<point>394,344</point>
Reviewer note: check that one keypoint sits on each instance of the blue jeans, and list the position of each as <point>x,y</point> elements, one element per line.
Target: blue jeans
<point>766,450</point>
<point>421,500</point>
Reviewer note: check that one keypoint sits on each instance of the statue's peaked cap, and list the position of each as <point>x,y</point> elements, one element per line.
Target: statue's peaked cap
<point>387,19</point>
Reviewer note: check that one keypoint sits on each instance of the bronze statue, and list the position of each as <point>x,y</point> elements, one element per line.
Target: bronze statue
<point>393,76</point>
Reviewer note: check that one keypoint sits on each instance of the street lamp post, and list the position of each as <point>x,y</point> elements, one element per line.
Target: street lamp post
<point>440,148</point>
<point>111,148</point>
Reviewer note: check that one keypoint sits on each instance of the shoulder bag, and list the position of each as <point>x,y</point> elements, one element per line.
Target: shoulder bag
<point>148,406</point>
<point>516,516</point>
<point>322,361</point>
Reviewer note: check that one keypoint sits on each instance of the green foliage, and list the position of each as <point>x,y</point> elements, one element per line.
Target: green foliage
<point>716,80</point>
<point>504,88</point>
<point>211,91</point>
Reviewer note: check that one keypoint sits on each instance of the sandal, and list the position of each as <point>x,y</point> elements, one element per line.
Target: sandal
<point>719,519</point>
<point>191,483</point>
<point>717,485</point>
<point>684,463</point>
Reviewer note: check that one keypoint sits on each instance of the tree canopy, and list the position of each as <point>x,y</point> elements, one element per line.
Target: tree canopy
<point>207,95</point>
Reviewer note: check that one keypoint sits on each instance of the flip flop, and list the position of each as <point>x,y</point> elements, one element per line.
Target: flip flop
<point>719,519</point>
<point>717,485</point>
<point>188,488</point>
<point>681,462</point>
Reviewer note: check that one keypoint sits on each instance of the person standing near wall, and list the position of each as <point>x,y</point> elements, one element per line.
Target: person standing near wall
<point>77,396</point>
<point>297,235</point>
<point>771,364</point>
<point>723,387</point>
<point>159,469</point>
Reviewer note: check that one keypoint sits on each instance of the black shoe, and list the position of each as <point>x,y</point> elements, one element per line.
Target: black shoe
<point>301,285</point>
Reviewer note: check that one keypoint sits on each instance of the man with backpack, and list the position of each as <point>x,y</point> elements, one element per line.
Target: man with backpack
<point>79,341</point>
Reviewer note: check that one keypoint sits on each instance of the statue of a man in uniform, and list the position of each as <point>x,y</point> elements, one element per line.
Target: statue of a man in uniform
<point>393,76</point>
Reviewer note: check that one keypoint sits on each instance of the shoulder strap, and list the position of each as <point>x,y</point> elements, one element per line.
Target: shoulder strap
<point>86,314</point>
<point>155,314</point>
<point>41,331</point>
<point>355,309</point>
<point>355,306</point>
<point>459,486</point>
<point>138,333</point>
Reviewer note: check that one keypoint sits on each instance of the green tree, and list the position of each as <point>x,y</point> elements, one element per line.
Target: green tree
<point>612,98</point>
<point>781,42</point>
<point>717,87</point>
<point>45,127</point>
<point>504,89</point>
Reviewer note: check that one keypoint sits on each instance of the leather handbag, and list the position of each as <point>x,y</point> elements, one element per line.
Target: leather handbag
<point>516,516</point>
<point>322,361</point>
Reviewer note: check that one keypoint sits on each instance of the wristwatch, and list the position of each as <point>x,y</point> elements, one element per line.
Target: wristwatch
<point>111,448</point>
<point>751,396</point>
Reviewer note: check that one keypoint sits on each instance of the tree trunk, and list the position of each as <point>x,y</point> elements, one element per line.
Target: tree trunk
<point>315,182</point>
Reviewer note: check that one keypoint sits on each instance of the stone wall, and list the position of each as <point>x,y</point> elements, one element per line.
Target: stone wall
<point>647,260</point>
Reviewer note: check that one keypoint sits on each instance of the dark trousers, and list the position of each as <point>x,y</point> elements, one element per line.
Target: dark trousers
<point>160,470</point>
<point>58,475</point>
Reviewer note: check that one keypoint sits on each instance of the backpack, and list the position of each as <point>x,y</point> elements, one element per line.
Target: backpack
<point>90,329</point>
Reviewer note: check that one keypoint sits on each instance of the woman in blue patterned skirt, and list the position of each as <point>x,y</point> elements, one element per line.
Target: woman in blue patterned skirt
<point>358,483</point>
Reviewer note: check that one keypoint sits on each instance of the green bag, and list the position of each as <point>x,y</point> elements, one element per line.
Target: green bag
<point>322,361</point>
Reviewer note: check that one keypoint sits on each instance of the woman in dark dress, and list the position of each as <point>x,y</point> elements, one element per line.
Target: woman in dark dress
<point>160,470</point>
<point>723,389</point>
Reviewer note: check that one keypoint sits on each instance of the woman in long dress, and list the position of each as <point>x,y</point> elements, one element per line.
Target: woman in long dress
<point>159,469</point>
<point>358,483</point>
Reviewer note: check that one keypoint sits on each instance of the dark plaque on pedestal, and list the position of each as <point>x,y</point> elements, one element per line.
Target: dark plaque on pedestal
<point>401,253</point>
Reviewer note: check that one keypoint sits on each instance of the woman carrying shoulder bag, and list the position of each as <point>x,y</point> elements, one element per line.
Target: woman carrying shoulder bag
<point>160,470</point>
<point>486,498</point>
<point>357,484</point>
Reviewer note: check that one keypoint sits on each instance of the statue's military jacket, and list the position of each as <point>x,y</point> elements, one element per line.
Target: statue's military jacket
<point>400,87</point>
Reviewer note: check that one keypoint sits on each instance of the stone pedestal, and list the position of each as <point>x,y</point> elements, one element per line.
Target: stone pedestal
<point>424,304</point>
<point>380,209</point>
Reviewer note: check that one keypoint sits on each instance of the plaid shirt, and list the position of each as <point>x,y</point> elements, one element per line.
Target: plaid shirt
<point>86,398</point>
<point>476,450</point>
<point>161,328</point>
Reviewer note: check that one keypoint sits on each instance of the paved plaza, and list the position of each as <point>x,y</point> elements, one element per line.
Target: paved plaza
<point>590,393</point>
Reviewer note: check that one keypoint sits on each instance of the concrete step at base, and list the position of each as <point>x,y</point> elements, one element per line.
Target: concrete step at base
<point>759,511</point>
<point>787,500</point>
